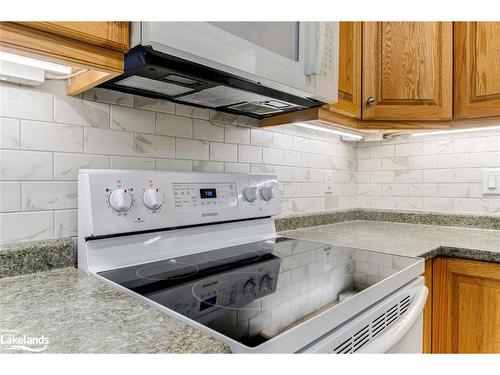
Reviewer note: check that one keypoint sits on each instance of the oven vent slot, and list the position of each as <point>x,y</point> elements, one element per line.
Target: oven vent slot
<point>365,332</point>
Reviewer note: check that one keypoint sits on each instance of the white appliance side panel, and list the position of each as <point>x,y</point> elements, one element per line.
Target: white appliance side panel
<point>413,342</point>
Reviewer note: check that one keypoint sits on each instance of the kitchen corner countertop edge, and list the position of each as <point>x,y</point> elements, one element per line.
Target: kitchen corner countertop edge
<point>79,314</point>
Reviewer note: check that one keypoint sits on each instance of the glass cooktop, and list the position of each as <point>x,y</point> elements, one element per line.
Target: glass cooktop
<point>254,292</point>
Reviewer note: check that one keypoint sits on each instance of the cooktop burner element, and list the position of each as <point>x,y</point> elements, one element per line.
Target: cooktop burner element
<point>166,270</point>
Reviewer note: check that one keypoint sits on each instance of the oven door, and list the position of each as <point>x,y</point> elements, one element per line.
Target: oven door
<point>299,58</point>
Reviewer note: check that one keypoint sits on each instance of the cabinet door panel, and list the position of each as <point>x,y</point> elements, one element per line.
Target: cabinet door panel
<point>466,306</point>
<point>112,35</point>
<point>477,77</point>
<point>349,92</point>
<point>407,70</point>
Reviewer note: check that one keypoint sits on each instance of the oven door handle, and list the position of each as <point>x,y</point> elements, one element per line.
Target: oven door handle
<point>394,334</point>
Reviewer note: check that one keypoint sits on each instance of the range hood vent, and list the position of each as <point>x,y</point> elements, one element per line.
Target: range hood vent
<point>159,75</point>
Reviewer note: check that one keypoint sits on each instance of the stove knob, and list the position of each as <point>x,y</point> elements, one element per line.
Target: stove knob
<point>120,200</point>
<point>267,193</point>
<point>266,283</point>
<point>250,287</point>
<point>152,198</point>
<point>250,193</point>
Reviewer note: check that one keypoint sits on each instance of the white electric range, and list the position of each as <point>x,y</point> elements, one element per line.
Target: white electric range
<point>202,247</point>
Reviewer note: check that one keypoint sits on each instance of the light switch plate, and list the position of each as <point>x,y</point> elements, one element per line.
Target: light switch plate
<point>491,181</point>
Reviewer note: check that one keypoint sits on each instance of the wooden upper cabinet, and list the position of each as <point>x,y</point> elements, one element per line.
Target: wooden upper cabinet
<point>407,71</point>
<point>466,306</point>
<point>477,73</point>
<point>111,35</point>
<point>349,91</point>
<point>96,49</point>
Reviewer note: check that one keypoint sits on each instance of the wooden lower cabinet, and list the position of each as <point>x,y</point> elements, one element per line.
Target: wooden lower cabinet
<point>427,336</point>
<point>465,306</point>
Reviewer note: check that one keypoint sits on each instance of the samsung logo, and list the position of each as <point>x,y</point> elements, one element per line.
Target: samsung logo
<point>208,214</point>
<point>209,284</point>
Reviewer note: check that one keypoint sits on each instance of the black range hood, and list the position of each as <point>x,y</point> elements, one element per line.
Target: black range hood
<point>158,75</point>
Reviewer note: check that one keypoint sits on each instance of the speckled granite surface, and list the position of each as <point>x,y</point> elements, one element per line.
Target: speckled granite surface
<point>410,217</point>
<point>408,239</point>
<point>35,256</point>
<point>79,314</point>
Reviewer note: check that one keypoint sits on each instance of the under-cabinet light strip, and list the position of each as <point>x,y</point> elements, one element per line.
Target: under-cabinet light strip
<point>46,65</point>
<point>465,130</point>
<point>335,131</point>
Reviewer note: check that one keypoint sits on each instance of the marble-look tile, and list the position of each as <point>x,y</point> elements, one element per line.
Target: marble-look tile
<point>75,111</point>
<point>131,119</point>
<point>66,166</point>
<point>51,137</point>
<point>227,118</point>
<point>236,168</point>
<point>174,165</point>
<point>284,141</point>
<point>152,104</point>
<point>21,103</point>
<point>259,137</point>
<point>109,96</point>
<point>236,134</point>
<point>154,145</point>
<point>25,165</point>
<point>186,110</point>
<point>10,135</point>
<point>65,223</point>
<point>26,226</point>
<point>272,156</point>
<point>10,196</point>
<point>108,142</point>
<point>176,126</point>
<point>191,149</point>
<point>208,131</point>
<point>121,162</point>
<point>249,154</point>
<point>48,195</point>
<point>208,166</point>
<point>223,152</point>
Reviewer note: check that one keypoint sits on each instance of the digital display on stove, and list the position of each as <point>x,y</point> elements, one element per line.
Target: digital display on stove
<point>208,303</point>
<point>208,193</point>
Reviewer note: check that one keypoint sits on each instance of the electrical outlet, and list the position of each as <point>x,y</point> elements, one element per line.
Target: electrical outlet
<point>329,183</point>
<point>491,181</point>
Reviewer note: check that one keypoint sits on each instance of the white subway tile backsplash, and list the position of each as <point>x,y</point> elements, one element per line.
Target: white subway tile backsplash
<point>438,175</point>
<point>223,152</point>
<point>25,165</point>
<point>186,110</point>
<point>284,141</point>
<point>131,119</point>
<point>74,111</point>
<point>236,168</point>
<point>260,137</point>
<point>249,154</point>
<point>273,156</point>
<point>384,151</point>
<point>19,103</point>
<point>51,137</point>
<point>10,196</point>
<point>154,145</point>
<point>66,165</point>
<point>10,135</point>
<point>123,162</point>
<point>97,94</point>
<point>209,131</point>
<point>174,165</point>
<point>108,142</point>
<point>191,149</point>
<point>26,226</point>
<point>65,223</point>
<point>37,196</point>
<point>208,166</point>
<point>175,126</point>
<point>152,104</point>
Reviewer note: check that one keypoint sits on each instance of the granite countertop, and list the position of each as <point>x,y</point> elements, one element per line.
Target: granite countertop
<point>79,314</point>
<point>419,240</point>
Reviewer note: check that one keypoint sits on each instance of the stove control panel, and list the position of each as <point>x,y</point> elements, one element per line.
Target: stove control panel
<point>206,299</point>
<point>120,201</point>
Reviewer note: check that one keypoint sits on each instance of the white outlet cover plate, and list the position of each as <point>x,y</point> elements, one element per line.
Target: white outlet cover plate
<point>488,174</point>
